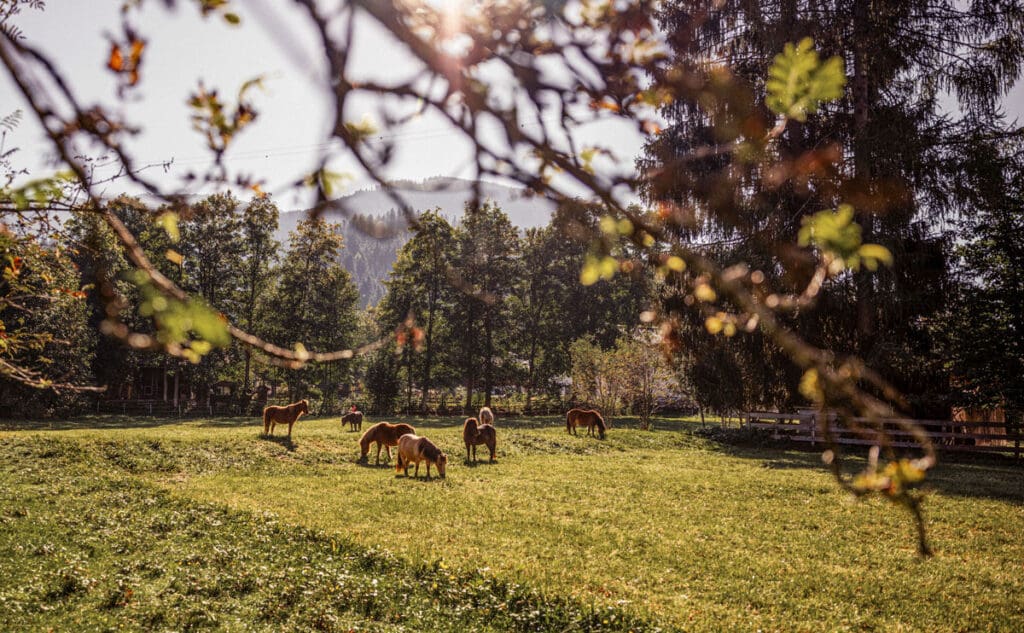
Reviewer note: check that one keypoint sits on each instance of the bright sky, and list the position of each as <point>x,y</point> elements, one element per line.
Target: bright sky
<point>294,119</point>
<point>284,143</point>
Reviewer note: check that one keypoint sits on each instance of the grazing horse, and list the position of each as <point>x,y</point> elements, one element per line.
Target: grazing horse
<point>273,414</point>
<point>474,435</point>
<point>584,417</point>
<point>486,416</point>
<point>385,434</point>
<point>354,419</point>
<point>413,449</point>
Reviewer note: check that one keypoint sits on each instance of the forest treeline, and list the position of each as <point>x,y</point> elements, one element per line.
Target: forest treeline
<point>471,310</point>
<point>875,221</point>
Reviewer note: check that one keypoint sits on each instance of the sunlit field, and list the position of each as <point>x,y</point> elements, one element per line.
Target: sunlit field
<point>203,523</point>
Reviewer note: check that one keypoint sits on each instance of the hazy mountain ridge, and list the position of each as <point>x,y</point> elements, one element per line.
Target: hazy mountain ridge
<point>372,247</point>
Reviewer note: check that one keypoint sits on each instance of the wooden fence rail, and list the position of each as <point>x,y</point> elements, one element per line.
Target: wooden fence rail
<point>946,435</point>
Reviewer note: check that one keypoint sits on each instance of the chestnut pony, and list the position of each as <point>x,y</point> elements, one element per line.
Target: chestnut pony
<point>413,449</point>
<point>354,419</point>
<point>474,435</point>
<point>273,415</point>
<point>584,417</point>
<point>486,416</point>
<point>385,434</point>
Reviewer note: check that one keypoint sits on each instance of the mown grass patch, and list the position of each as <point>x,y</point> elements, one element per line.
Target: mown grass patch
<point>88,545</point>
<point>664,527</point>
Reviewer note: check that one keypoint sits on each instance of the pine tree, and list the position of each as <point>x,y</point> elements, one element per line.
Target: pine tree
<point>488,263</point>
<point>887,147</point>
<point>259,255</point>
<point>314,305</point>
<point>981,331</point>
<point>420,291</point>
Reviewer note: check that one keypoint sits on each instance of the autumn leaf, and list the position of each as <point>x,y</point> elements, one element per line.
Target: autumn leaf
<point>116,60</point>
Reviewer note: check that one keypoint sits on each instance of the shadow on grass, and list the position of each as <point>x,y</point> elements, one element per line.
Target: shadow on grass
<point>282,440</point>
<point>968,475</point>
<point>97,422</point>
<point>101,422</point>
<point>365,463</point>
<point>482,462</point>
<point>420,478</point>
<point>229,422</point>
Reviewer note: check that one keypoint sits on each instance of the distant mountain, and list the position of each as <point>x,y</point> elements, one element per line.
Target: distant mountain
<point>448,194</point>
<point>373,239</point>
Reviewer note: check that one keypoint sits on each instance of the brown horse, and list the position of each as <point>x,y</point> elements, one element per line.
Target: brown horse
<point>413,449</point>
<point>385,434</point>
<point>273,415</point>
<point>474,435</point>
<point>585,417</point>
<point>486,416</point>
<point>354,419</point>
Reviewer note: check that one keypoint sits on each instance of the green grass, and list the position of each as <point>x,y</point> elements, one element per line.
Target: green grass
<point>203,523</point>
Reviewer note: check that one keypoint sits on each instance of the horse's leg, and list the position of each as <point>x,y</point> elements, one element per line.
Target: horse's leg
<point>417,474</point>
<point>428,470</point>
<point>388,449</point>
<point>290,429</point>
<point>378,453</point>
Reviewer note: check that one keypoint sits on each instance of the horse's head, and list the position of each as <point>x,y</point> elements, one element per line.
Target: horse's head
<point>441,463</point>
<point>470,423</point>
<point>304,406</point>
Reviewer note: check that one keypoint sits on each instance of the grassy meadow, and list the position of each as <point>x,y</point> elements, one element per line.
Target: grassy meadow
<point>114,523</point>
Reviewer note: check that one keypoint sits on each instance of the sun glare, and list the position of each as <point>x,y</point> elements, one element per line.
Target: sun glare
<point>451,22</point>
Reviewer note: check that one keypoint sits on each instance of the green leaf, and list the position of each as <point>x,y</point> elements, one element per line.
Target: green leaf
<point>799,82</point>
<point>873,254</point>
<point>810,386</point>
<point>833,232</point>
<point>169,221</point>
<point>359,132</point>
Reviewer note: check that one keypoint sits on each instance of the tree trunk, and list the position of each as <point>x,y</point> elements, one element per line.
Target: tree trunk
<point>429,344</point>
<point>531,370</point>
<point>489,359</point>
<point>861,93</point>
<point>469,392</point>
<point>408,376</point>
<point>248,358</point>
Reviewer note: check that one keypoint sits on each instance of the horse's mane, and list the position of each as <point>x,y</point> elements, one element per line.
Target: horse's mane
<point>470,423</point>
<point>289,411</point>
<point>364,439</point>
<point>370,434</point>
<point>429,450</point>
<point>600,420</point>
